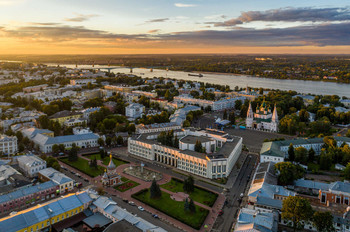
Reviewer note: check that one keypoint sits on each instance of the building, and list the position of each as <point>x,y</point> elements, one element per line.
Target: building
<point>263,118</point>
<point>31,164</point>
<point>223,152</point>
<point>179,116</point>
<point>255,220</point>
<point>75,122</point>
<point>117,214</point>
<point>134,110</point>
<point>45,143</point>
<point>82,81</point>
<point>27,196</point>
<point>307,99</point>
<point>8,144</point>
<point>65,183</point>
<point>337,193</point>
<point>46,214</point>
<point>65,115</point>
<point>31,132</point>
<point>88,111</point>
<point>157,127</point>
<point>146,94</point>
<point>277,151</point>
<point>111,177</point>
<point>36,88</point>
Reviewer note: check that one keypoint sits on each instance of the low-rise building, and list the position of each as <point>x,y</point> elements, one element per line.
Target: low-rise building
<point>8,144</point>
<point>134,110</point>
<point>45,143</point>
<point>255,220</point>
<point>27,196</point>
<point>31,164</point>
<point>157,127</point>
<point>65,115</point>
<point>45,215</point>
<point>75,122</point>
<point>49,174</point>
<point>82,81</point>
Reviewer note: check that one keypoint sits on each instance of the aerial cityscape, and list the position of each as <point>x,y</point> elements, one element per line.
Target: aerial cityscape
<point>170,116</point>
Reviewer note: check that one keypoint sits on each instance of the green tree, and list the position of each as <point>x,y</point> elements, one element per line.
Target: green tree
<point>55,149</point>
<point>291,153</point>
<point>186,205</point>
<point>232,117</point>
<point>198,146</point>
<point>311,155</point>
<point>347,172</point>
<point>186,123</point>
<point>73,153</point>
<point>108,141</point>
<point>120,140</point>
<point>191,206</point>
<point>323,221</point>
<point>325,161</point>
<point>301,155</point>
<point>176,142</point>
<point>101,142</point>
<point>238,104</point>
<point>225,115</point>
<point>155,190</point>
<point>61,147</point>
<point>188,185</point>
<point>297,210</point>
<point>288,172</point>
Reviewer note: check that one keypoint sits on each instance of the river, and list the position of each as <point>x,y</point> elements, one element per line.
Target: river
<point>306,87</point>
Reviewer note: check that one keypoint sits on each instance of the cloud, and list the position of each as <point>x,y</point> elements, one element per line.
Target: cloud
<point>215,17</point>
<point>10,2</point>
<point>157,20</point>
<point>327,34</point>
<point>153,31</point>
<point>184,5</point>
<point>43,24</point>
<point>80,18</point>
<point>290,14</point>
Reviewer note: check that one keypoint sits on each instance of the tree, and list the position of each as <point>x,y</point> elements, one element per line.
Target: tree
<point>186,123</point>
<point>61,147</point>
<point>311,155</point>
<point>55,149</point>
<point>291,154</point>
<point>347,172</point>
<point>188,185</point>
<point>288,172</point>
<point>191,206</point>
<point>176,142</point>
<point>301,155</point>
<point>297,210</point>
<point>155,190</point>
<point>93,163</point>
<point>323,221</point>
<point>186,205</point>
<point>232,117</point>
<point>120,140</point>
<point>238,104</point>
<point>325,161</point>
<point>101,142</point>
<point>198,146</point>
<point>225,115</point>
<point>108,141</point>
<point>73,153</point>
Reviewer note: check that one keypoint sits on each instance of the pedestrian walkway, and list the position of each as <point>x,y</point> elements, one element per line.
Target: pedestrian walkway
<point>208,223</point>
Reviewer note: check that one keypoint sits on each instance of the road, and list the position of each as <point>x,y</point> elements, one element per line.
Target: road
<point>224,222</point>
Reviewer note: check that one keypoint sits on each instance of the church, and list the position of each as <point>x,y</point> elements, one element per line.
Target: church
<point>263,118</point>
<point>111,177</point>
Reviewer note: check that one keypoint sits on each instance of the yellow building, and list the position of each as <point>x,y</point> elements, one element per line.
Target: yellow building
<point>46,214</point>
<point>65,115</point>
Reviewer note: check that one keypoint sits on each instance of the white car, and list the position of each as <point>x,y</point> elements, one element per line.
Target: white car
<point>141,208</point>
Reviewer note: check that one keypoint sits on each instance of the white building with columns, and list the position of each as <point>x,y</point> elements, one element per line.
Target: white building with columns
<point>221,151</point>
<point>8,144</point>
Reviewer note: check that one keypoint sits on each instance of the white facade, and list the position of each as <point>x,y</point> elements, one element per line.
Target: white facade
<point>217,164</point>
<point>31,164</point>
<point>134,110</point>
<point>82,81</point>
<point>157,127</point>
<point>262,119</point>
<point>66,184</point>
<point>8,144</point>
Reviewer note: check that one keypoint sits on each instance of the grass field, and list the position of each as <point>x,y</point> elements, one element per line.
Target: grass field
<point>128,184</point>
<point>173,208</point>
<point>83,166</point>
<point>199,195</point>
<point>106,159</point>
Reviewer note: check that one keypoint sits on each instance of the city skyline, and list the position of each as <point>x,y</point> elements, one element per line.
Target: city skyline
<point>160,26</point>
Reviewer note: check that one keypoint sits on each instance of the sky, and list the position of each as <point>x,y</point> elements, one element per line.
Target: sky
<point>174,26</point>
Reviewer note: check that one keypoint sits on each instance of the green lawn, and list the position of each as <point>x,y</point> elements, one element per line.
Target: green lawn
<point>173,208</point>
<point>83,166</point>
<point>199,195</point>
<point>106,160</point>
<point>128,184</point>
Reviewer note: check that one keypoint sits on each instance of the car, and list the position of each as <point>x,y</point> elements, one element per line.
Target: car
<point>155,215</point>
<point>221,212</point>
<point>141,208</point>
<point>131,203</point>
<point>125,200</point>
<point>241,195</point>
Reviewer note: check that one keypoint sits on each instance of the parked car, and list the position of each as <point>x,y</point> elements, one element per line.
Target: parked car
<point>125,200</point>
<point>131,203</point>
<point>141,208</point>
<point>221,212</point>
<point>155,215</point>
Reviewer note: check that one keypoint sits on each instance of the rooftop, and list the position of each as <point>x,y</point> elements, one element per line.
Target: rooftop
<point>55,176</point>
<point>64,113</point>
<point>191,139</point>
